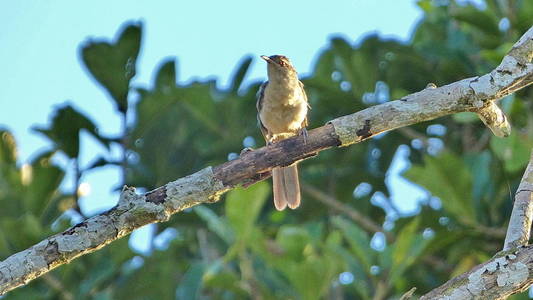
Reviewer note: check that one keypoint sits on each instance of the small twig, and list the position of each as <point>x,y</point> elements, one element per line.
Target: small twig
<point>410,133</point>
<point>409,294</point>
<point>438,263</point>
<point>77,178</point>
<point>58,286</point>
<point>124,147</point>
<point>201,236</point>
<point>381,290</point>
<point>362,220</point>
<point>495,232</point>
<point>481,143</point>
<point>520,224</point>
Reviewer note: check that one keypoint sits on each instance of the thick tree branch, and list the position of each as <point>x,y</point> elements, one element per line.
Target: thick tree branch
<point>520,223</point>
<point>505,274</point>
<point>134,211</point>
<point>511,270</point>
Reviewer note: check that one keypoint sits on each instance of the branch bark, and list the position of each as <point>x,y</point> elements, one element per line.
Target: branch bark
<point>511,270</point>
<point>505,274</point>
<point>133,211</point>
<point>520,224</point>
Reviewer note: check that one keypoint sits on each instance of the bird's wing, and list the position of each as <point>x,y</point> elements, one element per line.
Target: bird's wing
<point>305,95</point>
<point>259,104</point>
<point>304,123</point>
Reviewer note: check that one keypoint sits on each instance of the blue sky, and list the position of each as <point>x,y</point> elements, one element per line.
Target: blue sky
<point>40,65</point>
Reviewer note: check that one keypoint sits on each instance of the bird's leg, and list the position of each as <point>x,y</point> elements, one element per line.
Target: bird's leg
<point>303,132</point>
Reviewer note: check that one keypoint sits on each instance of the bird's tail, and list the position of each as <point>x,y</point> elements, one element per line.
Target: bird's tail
<point>286,187</point>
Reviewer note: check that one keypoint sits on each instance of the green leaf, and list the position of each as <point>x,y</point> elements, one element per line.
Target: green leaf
<point>11,177</point>
<point>215,223</point>
<point>166,75</point>
<point>243,207</point>
<point>55,207</point>
<point>465,117</point>
<point>523,20</point>
<point>240,73</point>
<point>5,251</point>
<point>23,231</point>
<point>425,5</point>
<point>190,284</point>
<point>482,20</point>
<point>447,177</point>
<point>44,184</point>
<point>8,149</point>
<point>113,65</point>
<point>354,265</point>
<point>98,275</point>
<point>406,249</point>
<point>480,165</point>
<point>293,239</point>
<point>312,277</point>
<point>513,151</point>
<point>217,276</point>
<point>358,239</point>
<point>67,123</point>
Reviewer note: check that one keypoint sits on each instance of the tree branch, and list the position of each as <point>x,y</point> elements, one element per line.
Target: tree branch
<point>520,223</point>
<point>505,274</point>
<point>360,219</point>
<point>133,211</point>
<point>508,272</point>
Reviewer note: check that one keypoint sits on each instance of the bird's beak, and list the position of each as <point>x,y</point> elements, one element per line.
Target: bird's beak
<point>266,58</point>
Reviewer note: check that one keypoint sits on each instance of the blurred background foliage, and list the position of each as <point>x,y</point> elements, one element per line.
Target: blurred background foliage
<point>348,240</point>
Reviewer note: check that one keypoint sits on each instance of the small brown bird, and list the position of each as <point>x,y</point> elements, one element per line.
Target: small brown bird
<point>282,112</point>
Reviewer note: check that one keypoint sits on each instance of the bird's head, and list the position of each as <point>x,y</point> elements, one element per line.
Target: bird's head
<point>279,65</point>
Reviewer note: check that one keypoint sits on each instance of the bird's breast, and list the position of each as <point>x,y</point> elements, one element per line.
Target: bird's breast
<point>284,108</point>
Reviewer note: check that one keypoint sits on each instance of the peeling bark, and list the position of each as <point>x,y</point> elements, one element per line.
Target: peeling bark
<point>519,228</point>
<point>505,274</point>
<point>131,212</point>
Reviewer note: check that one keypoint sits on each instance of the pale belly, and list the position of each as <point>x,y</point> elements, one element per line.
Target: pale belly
<point>283,118</point>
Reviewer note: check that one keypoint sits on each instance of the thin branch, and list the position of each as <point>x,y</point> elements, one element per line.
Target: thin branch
<point>360,219</point>
<point>124,147</point>
<point>410,133</point>
<point>365,222</point>
<point>381,290</point>
<point>481,143</point>
<point>207,185</point>
<point>495,232</point>
<point>58,286</point>
<point>520,224</point>
<point>409,294</point>
<point>505,274</point>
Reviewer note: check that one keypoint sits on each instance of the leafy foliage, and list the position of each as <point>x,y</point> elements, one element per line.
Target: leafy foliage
<point>64,132</point>
<point>113,65</point>
<point>241,248</point>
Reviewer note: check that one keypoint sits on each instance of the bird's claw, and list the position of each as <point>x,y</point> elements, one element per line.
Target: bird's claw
<point>245,151</point>
<point>303,132</point>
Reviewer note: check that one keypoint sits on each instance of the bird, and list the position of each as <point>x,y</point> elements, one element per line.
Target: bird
<point>282,113</point>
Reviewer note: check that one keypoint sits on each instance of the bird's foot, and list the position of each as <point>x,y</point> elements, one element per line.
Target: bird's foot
<point>245,151</point>
<point>303,132</point>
